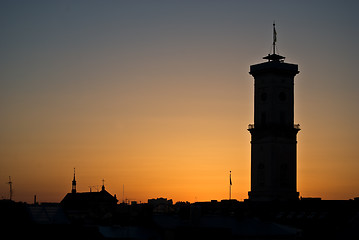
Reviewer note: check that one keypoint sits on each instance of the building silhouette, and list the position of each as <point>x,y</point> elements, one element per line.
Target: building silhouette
<point>88,207</point>
<point>273,134</point>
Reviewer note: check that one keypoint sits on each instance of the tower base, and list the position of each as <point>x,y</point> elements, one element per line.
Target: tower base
<point>264,196</point>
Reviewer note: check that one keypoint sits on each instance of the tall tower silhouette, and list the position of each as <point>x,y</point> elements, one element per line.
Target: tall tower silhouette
<point>273,134</point>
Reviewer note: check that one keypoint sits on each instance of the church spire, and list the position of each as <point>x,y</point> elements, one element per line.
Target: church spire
<point>74,184</point>
<point>103,185</point>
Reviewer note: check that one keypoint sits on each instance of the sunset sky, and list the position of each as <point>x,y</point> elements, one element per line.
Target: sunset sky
<point>156,95</point>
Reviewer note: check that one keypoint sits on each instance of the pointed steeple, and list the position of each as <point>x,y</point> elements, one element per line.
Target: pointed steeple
<point>74,184</point>
<point>103,185</point>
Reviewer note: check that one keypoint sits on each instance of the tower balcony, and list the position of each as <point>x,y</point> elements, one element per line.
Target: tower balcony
<point>273,130</point>
<point>252,127</point>
<point>296,126</point>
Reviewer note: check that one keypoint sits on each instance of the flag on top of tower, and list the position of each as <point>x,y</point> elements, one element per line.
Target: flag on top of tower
<point>274,34</point>
<point>273,56</point>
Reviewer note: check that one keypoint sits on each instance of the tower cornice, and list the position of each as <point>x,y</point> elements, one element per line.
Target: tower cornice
<point>274,67</point>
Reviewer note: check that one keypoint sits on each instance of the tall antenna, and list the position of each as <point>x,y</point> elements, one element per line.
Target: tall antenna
<point>10,184</point>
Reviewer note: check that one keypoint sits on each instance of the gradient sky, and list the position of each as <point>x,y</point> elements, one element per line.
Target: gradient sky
<point>156,95</point>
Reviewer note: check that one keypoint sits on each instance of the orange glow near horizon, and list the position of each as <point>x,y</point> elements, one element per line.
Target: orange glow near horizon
<point>157,97</point>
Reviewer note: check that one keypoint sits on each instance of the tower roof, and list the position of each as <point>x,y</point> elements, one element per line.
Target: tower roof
<point>274,57</point>
<point>276,67</point>
<point>275,63</point>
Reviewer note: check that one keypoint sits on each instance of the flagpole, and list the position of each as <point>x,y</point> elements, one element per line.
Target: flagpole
<point>230,185</point>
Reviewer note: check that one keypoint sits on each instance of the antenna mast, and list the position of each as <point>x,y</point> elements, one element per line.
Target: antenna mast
<point>10,184</point>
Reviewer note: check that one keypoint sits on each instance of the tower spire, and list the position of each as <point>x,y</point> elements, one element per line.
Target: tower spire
<point>103,185</point>
<point>74,183</point>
